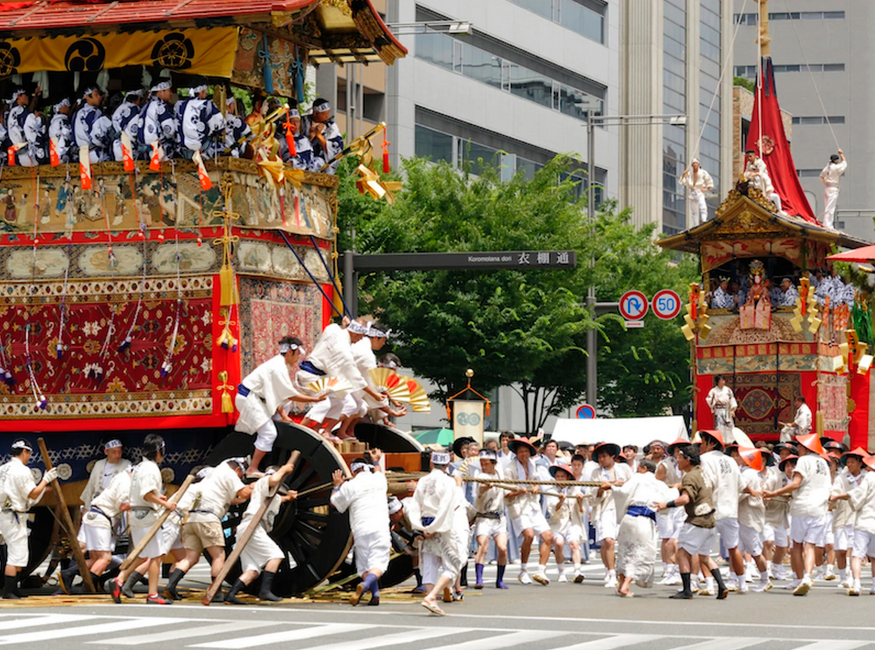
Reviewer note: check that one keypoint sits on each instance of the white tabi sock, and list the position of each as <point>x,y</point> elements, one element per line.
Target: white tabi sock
<point>733,577</point>
<point>524,568</point>
<point>542,568</point>
<point>768,566</point>
<point>577,568</point>
<point>709,584</point>
<point>843,574</point>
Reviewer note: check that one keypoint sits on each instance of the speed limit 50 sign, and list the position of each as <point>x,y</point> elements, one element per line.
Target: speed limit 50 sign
<point>666,304</point>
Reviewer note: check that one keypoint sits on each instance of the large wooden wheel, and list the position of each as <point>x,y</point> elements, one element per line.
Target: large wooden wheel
<point>389,439</point>
<point>308,530</point>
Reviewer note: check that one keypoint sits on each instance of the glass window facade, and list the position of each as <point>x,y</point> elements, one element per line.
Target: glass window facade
<point>586,18</point>
<point>750,71</point>
<point>433,144</point>
<point>754,18</point>
<point>674,151</point>
<point>709,93</point>
<point>820,119</point>
<point>500,73</point>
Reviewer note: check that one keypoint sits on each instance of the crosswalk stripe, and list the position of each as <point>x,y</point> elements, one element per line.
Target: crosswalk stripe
<point>734,643</point>
<point>834,645</point>
<point>500,641</point>
<point>286,635</point>
<point>42,621</point>
<point>177,634</point>
<point>418,636</point>
<point>612,642</point>
<point>86,630</point>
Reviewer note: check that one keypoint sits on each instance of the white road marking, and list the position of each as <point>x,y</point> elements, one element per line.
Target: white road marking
<point>735,643</point>
<point>834,645</point>
<point>42,621</point>
<point>176,634</point>
<point>86,630</point>
<point>612,642</point>
<point>285,635</point>
<point>416,636</point>
<point>500,641</point>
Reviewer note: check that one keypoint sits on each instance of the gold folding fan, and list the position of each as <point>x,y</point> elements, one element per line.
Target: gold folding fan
<point>386,379</point>
<point>418,399</point>
<point>331,384</point>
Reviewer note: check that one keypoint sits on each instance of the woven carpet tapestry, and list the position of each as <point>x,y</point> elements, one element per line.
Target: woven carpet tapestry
<point>764,399</point>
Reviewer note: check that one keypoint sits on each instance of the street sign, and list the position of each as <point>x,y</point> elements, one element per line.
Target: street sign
<point>666,304</point>
<point>520,260</point>
<point>586,412</point>
<point>633,305</point>
<point>634,324</point>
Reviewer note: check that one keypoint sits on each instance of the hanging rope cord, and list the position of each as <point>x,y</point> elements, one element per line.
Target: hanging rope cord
<point>813,82</point>
<point>727,61</point>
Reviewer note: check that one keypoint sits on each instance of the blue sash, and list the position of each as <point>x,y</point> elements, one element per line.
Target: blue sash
<point>641,511</point>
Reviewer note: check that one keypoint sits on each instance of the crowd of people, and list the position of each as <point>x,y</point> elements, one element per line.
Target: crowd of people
<point>826,283</point>
<point>162,124</point>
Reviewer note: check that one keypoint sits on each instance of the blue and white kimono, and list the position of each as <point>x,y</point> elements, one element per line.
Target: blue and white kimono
<point>235,129</point>
<point>61,132</point>
<point>158,124</point>
<point>333,140</point>
<point>125,119</point>
<point>200,125</point>
<point>93,129</point>
<point>15,124</point>
<point>37,136</point>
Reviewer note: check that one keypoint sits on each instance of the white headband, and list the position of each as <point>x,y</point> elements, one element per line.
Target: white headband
<point>394,505</point>
<point>375,333</point>
<point>440,458</point>
<point>324,106</point>
<point>293,112</point>
<point>288,347</point>
<point>61,104</point>
<point>90,89</point>
<point>355,467</point>
<point>202,473</point>
<point>113,444</point>
<point>231,101</point>
<point>357,328</point>
<point>196,89</point>
<point>391,365</point>
<point>18,93</point>
<point>162,85</point>
<point>22,444</point>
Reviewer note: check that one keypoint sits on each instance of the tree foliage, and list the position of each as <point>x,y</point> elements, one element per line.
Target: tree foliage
<point>526,329</point>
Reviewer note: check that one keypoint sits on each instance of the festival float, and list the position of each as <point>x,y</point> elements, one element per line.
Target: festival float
<point>767,354</point>
<point>134,295</point>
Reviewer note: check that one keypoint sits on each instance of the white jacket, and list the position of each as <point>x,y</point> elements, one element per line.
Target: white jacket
<point>724,478</point>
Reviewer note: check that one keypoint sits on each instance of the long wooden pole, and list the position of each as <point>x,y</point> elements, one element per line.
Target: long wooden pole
<point>243,540</point>
<point>133,555</point>
<point>68,521</point>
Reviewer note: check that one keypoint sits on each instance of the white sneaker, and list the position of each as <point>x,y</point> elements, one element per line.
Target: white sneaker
<point>792,585</point>
<point>855,589</point>
<point>762,586</point>
<point>872,590</point>
<point>613,583</point>
<point>742,587</point>
<point>670,580</point>
<point>541,578</point>
<point>524,578</point>
<point>829,575</point>
<point>803,587</point>
<point>704,591</point>
<point>562,577</point>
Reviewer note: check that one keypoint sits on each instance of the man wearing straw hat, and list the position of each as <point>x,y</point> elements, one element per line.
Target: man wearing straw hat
<point>843,515</point>
<point>604,510</point>
<point>811,486</point>
<point>525,511</point>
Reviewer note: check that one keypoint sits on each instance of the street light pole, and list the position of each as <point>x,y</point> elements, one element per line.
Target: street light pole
<point>591,302</point>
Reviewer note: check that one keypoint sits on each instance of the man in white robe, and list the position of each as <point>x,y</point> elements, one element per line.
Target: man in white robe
<point>18,493</point>
<point>263,392</point>
<point>801,424</point>
<point>698,181</point>
<point>721,401</point>
<point>365,498</point>
<point>604,511</point>
<point>564,517</point>
<point>491,522</point>
<point>757,174</point>
<point>635,503</point>
<point>432,511</point>
<point>830,178</point>
<point>669,522</point>
<point>862,499</point>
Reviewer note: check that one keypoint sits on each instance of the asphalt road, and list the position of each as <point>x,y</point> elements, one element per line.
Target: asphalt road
<point>560,616</point>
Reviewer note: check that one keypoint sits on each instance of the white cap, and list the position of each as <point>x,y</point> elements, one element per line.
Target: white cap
<point>394,505</point>
<point>113,444</point>
<point>161,85</point>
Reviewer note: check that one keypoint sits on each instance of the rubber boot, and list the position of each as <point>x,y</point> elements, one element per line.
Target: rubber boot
<point>722,591</point>
<point>686,593</point>
<point>231,597</point>
<point>463,577</point>
<point>9,587</point>
<point>266,583</point>
<point>478,573</point>
<point>170,590</point>
<point>499,578</point>
<point>16,586</point>
<point>128,587</point>
<point>95,580</point>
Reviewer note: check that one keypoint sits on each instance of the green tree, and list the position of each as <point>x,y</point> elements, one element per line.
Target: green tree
<point>525,329</point>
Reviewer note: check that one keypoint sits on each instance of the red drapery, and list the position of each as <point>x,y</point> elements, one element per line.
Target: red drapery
<point>774,148</point>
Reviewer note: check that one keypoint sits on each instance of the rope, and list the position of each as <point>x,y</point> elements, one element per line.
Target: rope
<point>312,277</point>
<point>759,84</point>
<point>331,277</point>
<point>723,68</point>
<point>813,82</point>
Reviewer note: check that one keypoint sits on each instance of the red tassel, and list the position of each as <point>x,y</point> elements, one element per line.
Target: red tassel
<point>386,144</point>
<point>10,155</point>
<point>54,158</point>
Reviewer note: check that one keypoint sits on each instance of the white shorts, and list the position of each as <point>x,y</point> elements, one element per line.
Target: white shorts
<point>750,540</point>
<point>157,546</point>
<point>669,525</point>
<point>728,530</point>
<point>808,530</point>
<point>776,534</point>
<point>606,527</point>
<point>490,528</point>
<point>864,544</point>
<point>533,519</point>
<point>260,550</point>
<point>844,538</point>
<point>265,436</point>
<point>13,527</point>
<point>98,538</point>
<point>430,565</point>
<point>696,540</point>
<point>372,551</point>
<point>353,406</point>
<point>328,409</point>
<point>171,535</point>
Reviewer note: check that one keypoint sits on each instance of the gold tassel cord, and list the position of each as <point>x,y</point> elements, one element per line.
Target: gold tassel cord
<point>227,404</point>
